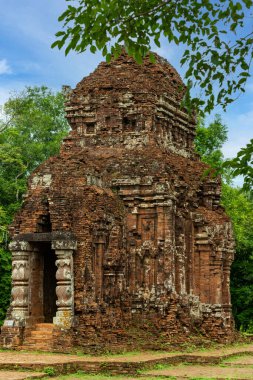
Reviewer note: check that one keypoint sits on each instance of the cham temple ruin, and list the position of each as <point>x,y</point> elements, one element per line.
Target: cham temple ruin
<point>121,240</point>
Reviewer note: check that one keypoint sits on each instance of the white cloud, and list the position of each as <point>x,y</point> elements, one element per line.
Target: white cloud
<point>4,95</point>
<point>4,67</point>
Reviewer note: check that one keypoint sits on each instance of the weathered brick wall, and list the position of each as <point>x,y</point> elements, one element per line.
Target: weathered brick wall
<point>154,245</point>
<point>11,337</point>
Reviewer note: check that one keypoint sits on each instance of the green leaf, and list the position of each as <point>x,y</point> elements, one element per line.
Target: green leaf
<point>108,58</point>
<point>244,65</point>
<point>54,44</point>
<point>152,57</point>
<point>93,49</point>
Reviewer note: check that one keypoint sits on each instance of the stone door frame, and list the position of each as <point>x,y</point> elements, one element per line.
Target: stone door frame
<point>22,249</point>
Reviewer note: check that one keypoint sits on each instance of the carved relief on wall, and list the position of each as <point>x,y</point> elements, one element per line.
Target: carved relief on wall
<point>113,264</point>
<point>147,229</point>
<point>146,264</point>
<point>143,248</point>
<point>150,237</point>
<point>108,263</point>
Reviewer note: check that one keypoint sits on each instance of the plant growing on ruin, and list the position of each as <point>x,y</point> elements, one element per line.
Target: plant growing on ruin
<point>50,371</point>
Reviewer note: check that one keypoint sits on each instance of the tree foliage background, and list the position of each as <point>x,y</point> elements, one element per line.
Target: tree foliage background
<point>239,206</point>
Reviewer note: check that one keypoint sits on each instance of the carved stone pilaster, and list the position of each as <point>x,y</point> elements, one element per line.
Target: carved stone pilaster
<point>65,282</point>
<point>20,280</point>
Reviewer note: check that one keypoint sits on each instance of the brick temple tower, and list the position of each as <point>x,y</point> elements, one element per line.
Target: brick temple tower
<point>121,239</point>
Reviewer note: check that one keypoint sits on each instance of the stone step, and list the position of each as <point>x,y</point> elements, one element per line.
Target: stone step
<point>41,333</point>
<point>37,348</point>
<point>36,345</point>
<point>32,342</point>
<point>40,338</point>
<point>37,341</point>
<point>44,326</point>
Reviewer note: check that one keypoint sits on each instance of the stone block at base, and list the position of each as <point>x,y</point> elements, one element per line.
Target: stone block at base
<point>63,319</point>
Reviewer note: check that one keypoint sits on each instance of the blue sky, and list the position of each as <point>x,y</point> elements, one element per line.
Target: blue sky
<point>27,30</point>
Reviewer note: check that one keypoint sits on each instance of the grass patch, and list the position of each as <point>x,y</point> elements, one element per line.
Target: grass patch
<point>162,366</point>
<point>231,359</point>
<point>50,371</point>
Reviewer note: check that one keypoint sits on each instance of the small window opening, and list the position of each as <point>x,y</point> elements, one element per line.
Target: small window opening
<point>108,122</point>
<point>128,124</point>
<point>90,128</point>
<point>44,224</point>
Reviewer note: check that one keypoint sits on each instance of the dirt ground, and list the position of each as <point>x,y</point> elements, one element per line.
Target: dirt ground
<point>19,357</point>
<point>244,360</point>
<point>18,375</point>
<point>47,359</point>
<point>231,362</point>
<point>204,372</point>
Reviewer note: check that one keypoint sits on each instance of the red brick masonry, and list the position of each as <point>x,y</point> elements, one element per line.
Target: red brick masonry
<point>142,246</point>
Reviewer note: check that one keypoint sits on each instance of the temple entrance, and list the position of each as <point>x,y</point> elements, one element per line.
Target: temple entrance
<point>43,284</point>
<point>49,284</point>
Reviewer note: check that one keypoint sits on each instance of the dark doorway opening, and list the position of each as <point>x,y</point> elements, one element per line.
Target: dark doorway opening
<point>49,283</point>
